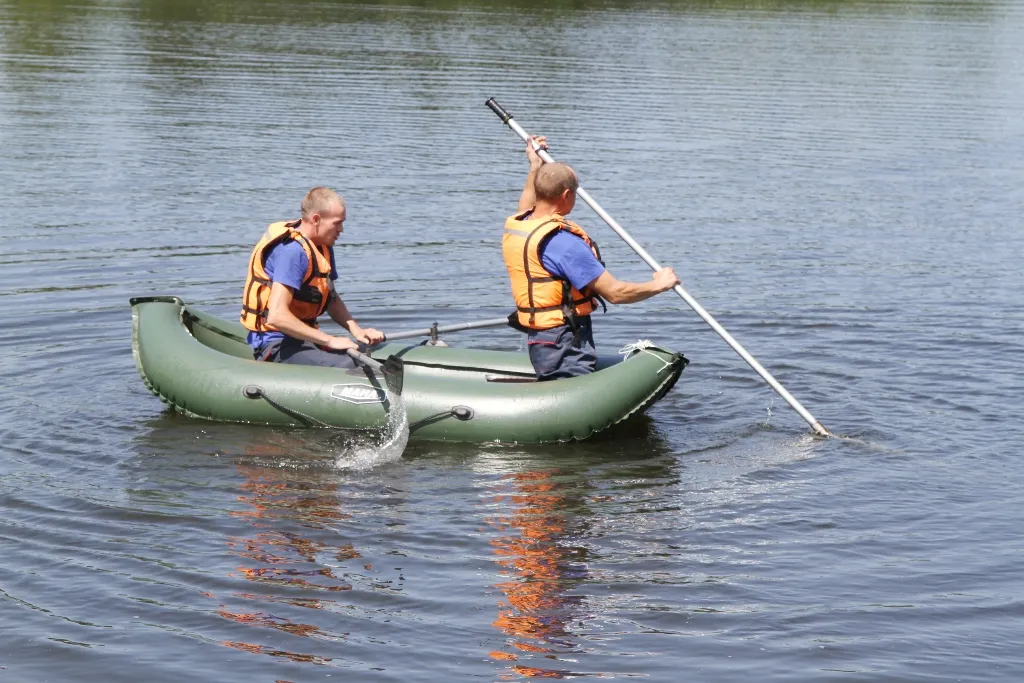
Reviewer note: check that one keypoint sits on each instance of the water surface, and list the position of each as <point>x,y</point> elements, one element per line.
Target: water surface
<point>838,182</point>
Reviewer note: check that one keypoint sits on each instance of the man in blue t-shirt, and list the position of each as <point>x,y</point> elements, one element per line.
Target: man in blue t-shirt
<point>567,350</point>
<point>284,294</point>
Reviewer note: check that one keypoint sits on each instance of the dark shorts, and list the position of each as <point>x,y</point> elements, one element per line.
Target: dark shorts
<point>555,356</point>
<point>298,352</point>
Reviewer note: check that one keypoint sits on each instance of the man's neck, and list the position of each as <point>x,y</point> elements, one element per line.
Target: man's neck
<point>544,210</point>
<point>306,229</point>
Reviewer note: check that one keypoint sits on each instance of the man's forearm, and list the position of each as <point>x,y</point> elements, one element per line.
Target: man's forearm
<point>616,291</point>
<point>633,292</point>
<point>339,313</point>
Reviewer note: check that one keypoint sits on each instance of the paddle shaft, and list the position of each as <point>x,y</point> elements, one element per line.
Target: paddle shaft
<point>393,369</point>
<point>363,359</point>
<point>429,331</point>
<point>678,289</point>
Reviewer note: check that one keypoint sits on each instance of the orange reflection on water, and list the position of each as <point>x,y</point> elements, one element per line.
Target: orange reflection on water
<point>287,556</point>
<point>540,567</point>
<point>264,619</point>
<point>261,650</point>
<point>534,672</point>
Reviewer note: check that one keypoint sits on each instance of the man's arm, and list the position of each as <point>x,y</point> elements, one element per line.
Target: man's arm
<point>620,292</point>
<point>566,255</point>
<point>528,198</point>
<point>281,317</point>
<point>339,313</point>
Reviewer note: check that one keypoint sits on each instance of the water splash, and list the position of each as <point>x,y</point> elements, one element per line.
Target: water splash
<point>767,424</point>
<point>365,453</point>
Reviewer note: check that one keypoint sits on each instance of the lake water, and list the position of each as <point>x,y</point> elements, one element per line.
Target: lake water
<point>839,183</point>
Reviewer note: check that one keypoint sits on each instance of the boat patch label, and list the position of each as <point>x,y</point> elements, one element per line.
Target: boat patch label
<point>358,393</point>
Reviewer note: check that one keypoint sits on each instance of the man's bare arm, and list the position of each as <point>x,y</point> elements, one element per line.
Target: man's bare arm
<point>280,316</point>
<point>528,198</point>
<point>620,292</point>
<point>340,314</point>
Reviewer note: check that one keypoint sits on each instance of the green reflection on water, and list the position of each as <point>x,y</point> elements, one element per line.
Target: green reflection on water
<point>313,11</point>
<point>56,28</point>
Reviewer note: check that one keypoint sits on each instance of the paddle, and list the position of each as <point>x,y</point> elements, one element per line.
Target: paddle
<point>642,253</point>
<point>393,369</point>
<point>434,330</point>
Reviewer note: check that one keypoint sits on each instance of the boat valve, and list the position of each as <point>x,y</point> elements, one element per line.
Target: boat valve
<point>463,413</point>
<point>252,391</point>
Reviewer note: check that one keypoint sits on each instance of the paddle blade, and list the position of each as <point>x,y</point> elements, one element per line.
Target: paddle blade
<point>394,374</point>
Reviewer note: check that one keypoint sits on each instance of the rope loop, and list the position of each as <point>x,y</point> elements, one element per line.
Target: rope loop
<point>642,346</point>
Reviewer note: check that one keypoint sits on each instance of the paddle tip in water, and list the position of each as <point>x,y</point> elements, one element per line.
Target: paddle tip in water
<point>820,430</point>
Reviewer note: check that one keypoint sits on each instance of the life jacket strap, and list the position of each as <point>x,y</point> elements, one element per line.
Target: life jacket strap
<point>539,309</point>
<point>264,313</point>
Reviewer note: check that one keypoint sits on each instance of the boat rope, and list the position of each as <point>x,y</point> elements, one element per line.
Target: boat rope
<point>643,346</point>
<point>252,391</point>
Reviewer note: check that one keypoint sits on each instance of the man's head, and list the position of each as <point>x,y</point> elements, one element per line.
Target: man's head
<point>556,184</point>
<point>323,215</point>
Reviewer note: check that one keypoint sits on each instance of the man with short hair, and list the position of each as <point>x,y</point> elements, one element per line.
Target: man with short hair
<point>558,278</point>
<point>291,283</point>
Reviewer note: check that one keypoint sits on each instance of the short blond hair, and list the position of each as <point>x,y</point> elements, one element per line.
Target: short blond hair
<point>554,179</point>
<point>320,200</point>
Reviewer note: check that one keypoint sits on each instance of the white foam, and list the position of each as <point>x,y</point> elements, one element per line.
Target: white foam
<point>367,453</point>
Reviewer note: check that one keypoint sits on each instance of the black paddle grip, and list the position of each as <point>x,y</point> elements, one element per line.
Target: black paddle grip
<point>499,110</point>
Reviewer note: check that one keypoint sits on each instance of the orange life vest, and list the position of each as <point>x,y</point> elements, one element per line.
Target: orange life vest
<point>542,300</point>
<point>308,302</point>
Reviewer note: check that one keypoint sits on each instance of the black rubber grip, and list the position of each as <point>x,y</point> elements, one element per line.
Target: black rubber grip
<point>499,110</point>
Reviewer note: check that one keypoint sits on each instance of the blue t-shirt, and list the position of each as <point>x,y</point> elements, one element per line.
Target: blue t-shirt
<point>566,255</point>
<point>286,264</point>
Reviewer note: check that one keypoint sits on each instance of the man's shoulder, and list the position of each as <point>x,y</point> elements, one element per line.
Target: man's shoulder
<point>567,241</point>
<point>572,258</point>
<point>286,263</point>
<point>287,249</point>
<point>566,251</point>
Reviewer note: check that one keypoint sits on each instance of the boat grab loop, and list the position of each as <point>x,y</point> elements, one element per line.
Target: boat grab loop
<point>461,413</point>
<point>642,345</point>
<point>253,391</point>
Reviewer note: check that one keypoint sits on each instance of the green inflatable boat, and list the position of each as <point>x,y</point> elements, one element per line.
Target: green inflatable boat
<point>202,367</point>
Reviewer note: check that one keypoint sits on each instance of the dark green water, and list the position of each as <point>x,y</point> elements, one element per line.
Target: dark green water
<point>838,182</point>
